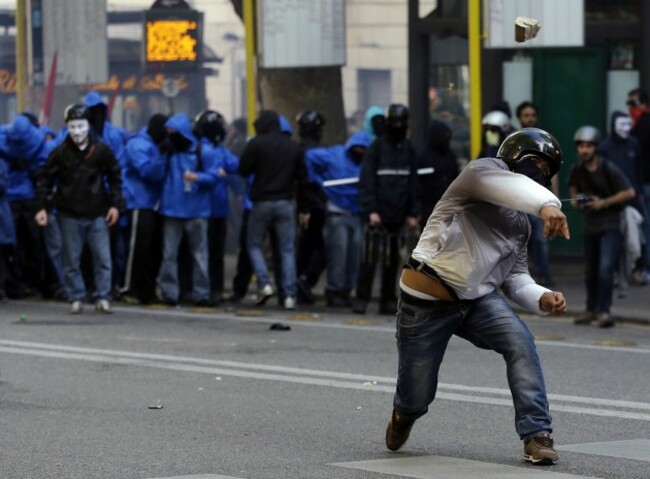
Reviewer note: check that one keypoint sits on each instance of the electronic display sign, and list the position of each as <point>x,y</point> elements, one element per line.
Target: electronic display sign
<point>172,40</point>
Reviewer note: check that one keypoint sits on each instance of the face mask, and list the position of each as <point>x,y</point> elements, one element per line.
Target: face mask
<point>357,155</point>
<point>179,142</point>
<point>636,112</point>
<point>78,131</point>
<point>396,133</point>
<point>492,138</point>
<point>528,169</point>
<point>378,125</point>
<point>622,126</point>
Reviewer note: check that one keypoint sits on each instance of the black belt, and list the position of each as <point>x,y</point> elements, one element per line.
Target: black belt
<point>424,268</point>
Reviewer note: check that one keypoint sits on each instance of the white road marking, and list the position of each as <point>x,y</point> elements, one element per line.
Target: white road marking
<point>638,449</point>
<point>304,376</point>
<point>441,467</point>
<point>201,476</point>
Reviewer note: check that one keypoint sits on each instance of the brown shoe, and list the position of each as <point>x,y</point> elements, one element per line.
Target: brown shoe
<point>604,320</point>
<point>539,450</point>
<point>585,318</point>
<point>398,431</point>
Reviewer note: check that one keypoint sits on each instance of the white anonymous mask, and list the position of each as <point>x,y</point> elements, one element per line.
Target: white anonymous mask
<point>78,131</point>
<point>622,126</point>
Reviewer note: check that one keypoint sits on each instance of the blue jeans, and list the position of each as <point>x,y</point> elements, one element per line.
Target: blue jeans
<point>343,247</point>
<point>75,232</point>
<point>601,255</point>
<point>196,230</point>
<point>280,216</point>
<point>487,322</point>
<point>539,244</point>
<point>53,246</point>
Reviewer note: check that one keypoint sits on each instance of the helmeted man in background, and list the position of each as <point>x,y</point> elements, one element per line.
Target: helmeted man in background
<point>310,259</point>
<point>144,173</point>
<point>599,189</point>
<point>495,127</point>
<point>210,129</point>
<point>389,194</point>
<point>88,197</point>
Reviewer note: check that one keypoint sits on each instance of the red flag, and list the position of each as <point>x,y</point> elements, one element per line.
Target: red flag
<point>48,98</point>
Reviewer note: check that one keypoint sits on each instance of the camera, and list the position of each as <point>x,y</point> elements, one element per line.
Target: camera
<point>582,200</point>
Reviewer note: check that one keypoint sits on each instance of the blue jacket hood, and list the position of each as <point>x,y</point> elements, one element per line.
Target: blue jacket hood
<point>181,123</point>
<point>93,98</point>
<point>23,138</point>
<point>370,114</point>
<point>359,138</point>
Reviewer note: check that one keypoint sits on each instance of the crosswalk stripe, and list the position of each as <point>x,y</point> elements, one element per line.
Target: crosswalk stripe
<point>441,467</point>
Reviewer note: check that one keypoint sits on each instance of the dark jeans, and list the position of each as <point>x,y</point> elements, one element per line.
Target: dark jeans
<point>311,257</point>
<point>217,231</point>
<point>601,255</point>
<point>145,254</point>
<point>487,322</point>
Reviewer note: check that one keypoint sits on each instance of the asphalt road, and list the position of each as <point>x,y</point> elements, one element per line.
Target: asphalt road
<point>212,394</point>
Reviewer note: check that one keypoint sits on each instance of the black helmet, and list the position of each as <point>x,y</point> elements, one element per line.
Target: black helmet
<point>210,124</point>
<point>310,124</point>
<point>531,141</point>
<point>76,111</point>
<point>310,118</point>
<point>397,112</point>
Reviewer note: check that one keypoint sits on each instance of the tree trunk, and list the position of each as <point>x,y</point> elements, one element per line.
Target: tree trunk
<point>290,91</point>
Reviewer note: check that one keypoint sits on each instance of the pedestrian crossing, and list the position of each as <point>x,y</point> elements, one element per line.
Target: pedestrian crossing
<point>441,467</point>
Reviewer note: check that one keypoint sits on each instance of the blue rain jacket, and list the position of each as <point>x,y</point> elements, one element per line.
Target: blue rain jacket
<point>144,172</point>
<point>7,232</point>
<point>219,194</point>
<point>25,148</point>
<point>334,163</point>
<point>175,202</point>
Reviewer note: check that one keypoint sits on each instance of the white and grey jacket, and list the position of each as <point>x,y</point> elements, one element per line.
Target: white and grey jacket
<point>476,238</point>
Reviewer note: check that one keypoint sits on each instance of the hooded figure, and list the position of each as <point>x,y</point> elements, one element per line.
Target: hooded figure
<point>437,166</point>
<point>102,127</point>
<point>623,149</point>
<point>178,198</point>
<point>26,151</point>
<point>374,122</point>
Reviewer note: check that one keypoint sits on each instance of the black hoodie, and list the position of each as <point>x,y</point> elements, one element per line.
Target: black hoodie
<point>276,162</point>
<point>437,156</point>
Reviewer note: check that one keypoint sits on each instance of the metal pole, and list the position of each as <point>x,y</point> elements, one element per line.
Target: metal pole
<point>21,82</point>
<point>474,33</point>
<point>251,81</point>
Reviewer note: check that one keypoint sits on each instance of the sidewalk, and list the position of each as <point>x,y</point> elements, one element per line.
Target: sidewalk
<point>568,274</point>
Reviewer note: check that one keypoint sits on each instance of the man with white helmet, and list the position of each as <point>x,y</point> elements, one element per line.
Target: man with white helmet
<point>496,126</point>
<point>599,189</point>
<point>474,244</point>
